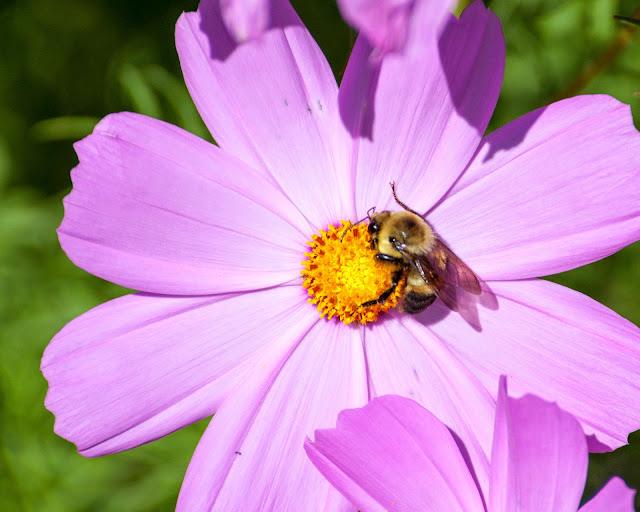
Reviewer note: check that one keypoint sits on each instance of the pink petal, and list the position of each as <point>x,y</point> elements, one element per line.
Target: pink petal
<point>156,209</point>
<point>251,457</point>
<point>245,19</point>
<point>393,454</point>
<point>553,190</point>
<point>404,358</point>
<point>557,344</point>
<point>273,103</point>
<point>420,117</point>
<point>384,23</point>
<point>141,366</point>
<point>539,457</point>
<point>388,24</point>
<point>615,496</point>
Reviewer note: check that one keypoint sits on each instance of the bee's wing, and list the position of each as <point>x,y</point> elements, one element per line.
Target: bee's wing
<point>452,269</point>
<point>441,263</point>
<point>448,294</point>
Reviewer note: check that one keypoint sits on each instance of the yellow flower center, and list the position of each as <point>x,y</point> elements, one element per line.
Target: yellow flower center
<point>340,276</point>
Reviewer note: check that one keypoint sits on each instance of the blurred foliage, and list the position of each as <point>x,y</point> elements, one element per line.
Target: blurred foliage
<point>64,64</point>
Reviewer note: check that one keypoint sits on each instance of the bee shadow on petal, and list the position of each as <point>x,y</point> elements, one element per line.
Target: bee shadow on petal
<point>357,93</point>
<point>469,304</point>
<point>468,307</point>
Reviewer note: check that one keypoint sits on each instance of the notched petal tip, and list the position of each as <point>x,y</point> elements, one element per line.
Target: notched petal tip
<point>140,213</point>
<point>141,366</point>
<point>553,190</point>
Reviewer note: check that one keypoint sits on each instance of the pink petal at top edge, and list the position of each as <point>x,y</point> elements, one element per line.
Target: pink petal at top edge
<point>393,454</point>
<point>384,23</point>
<point>272,102</point>
<point>159,210</point>
<point>405,359</point>
<point>615,496</point>
<point>546,457</point>
<point>245,19</point>
<point>557,344</point>
<point>251,457</point>
<point>388,24</point>
<point>418,119</point>
<point>141,366</point>
<point>550,191</point>
<point>427,21</point>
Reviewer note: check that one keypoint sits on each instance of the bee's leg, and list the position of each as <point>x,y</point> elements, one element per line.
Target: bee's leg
<point>385,257</point>
<point>395,280</point>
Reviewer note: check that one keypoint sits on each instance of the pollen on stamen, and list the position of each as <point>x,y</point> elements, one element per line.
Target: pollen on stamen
<point>342,275</point>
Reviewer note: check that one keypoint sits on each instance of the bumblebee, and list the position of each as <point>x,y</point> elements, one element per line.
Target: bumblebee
<point>432,270</point>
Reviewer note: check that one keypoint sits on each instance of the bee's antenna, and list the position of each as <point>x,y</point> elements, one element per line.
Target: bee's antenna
<point>369,213</point>
<point>393,189</point>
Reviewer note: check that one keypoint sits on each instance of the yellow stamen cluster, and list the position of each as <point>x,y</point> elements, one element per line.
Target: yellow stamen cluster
<point>341,275</point>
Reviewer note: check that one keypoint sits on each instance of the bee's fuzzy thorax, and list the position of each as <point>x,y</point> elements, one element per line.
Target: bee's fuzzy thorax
<point>406,228</point>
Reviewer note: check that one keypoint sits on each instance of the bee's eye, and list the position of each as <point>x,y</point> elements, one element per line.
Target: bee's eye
<point>373,228</point>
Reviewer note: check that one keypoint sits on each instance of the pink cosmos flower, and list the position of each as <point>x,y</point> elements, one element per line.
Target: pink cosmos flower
<point>214,237</point>
<point>393,454</point>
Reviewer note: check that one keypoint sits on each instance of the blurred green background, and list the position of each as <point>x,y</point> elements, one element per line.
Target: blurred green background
<point>66,63</point>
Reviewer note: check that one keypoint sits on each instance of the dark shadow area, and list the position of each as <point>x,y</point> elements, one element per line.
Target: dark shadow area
<point>510,135</point>
<point>461,46</point>
<point>467,307</point>
<point>468,304</point>
<point>221,44</point>
<point>356,97</point>
<point>455,50</point>
<point>433,315</point>
<point>62,60</point>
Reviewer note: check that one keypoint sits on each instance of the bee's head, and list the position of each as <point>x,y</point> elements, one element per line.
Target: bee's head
<point>376,222</point>
<point>373,227</point>
<point>370,215</point>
